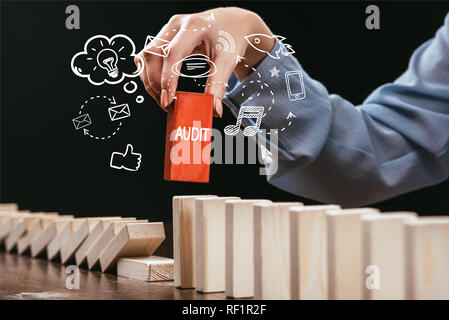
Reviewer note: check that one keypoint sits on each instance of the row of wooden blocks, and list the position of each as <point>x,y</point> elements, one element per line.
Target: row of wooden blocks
<point>90,242</point>
<point>266,250</point>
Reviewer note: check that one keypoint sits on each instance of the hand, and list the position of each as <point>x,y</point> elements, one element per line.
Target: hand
<point>128,161</point>
<point>191,34</point>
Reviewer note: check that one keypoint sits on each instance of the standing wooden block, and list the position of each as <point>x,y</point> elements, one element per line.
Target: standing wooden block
<point>9,207</point>
<point>345,272</point>
<point>152,268</point>
<point>54,247</point>
<point>37,227</point>
<point>134,240</point>
<point>49,232</point>
<point>94,235</point>
<point>113,228</point>
<point>188,136</point>
<point>210,246</point>
<point>272,250</point>
<point>308,252</point>
<point>239,253</point>
<point>184,239</point>
<point>384,255</point>
<point>427,259</point>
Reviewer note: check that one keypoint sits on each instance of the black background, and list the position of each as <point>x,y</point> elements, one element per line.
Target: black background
<point>47,165</point>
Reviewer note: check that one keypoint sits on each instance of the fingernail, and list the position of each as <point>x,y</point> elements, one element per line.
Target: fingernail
<point>218,107</point>
<point>164,98</point>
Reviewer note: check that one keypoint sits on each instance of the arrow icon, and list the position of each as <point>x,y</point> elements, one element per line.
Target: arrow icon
<point>239,59</point>
<point>291,115</point>
<point>113,100</point>
<point>266,155</point>
<point>86,132</point>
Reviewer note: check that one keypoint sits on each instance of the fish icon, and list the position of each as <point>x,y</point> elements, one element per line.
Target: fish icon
<point>256,39</point>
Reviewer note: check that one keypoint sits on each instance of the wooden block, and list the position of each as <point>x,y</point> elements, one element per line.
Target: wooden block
<point>239,252</point>
<point>384,255</point>
<point>8,221</point>
<point>427,259</point>
<point>9,207</point>
<point>210,246</point>
<point>272,250</point>
<point>94,235</point>
<point>21,227</point>
<point>188,136</point>
<point>39,243</point>
<point>344,245</point>
<point>93,254</point>
<point>70,246</point>
<point>133,240</point>
<point>308,252</point>
<point>54,247</point>
<point>184,239</point>
<point>152,268</point>
<point>36,228</point>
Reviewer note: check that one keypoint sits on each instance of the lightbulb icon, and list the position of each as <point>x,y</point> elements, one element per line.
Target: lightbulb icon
<point>107,59</point>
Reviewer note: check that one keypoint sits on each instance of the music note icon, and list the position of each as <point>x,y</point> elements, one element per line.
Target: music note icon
<point>247,112</point>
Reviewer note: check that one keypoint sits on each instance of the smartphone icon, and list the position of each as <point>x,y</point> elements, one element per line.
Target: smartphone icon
<point>295,85</point>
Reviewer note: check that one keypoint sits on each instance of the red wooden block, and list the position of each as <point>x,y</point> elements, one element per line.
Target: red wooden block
<point>188,137</point>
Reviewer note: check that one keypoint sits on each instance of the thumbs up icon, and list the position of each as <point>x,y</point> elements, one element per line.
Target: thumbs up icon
<point>129,160</point>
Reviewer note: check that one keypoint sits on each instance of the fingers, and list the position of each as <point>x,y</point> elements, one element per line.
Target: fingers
<point>181,45</point>
<point>217,83</point>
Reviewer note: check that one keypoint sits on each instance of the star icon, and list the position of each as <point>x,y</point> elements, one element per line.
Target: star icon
<point>274,72</point>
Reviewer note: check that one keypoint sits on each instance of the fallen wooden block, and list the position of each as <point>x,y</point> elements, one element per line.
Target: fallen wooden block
<point>40,242</point>
<point>239,253</point>
<point>272,250</point>
<point>384,255</point>
<point>9,207</point>
<point>93,254</point>
<point>69,229</point>
<point>20,228</point>
<point>427,259</point>
<point>345,271</point>
<point>36,228</point>
<point>70,246</point>
<point>9,220</point>
<point>151,268</point>
<point>94,235</point>
<point>133,240</point>
<point>308,252</point>
<point>210,246</point>
<point>184,239</point>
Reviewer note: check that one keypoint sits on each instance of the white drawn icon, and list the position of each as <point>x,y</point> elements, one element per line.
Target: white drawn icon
<point>157,46</point>
<point>246,112</point>
<point>226,42</point>
<point>295,85</point>
<point>119,112</point>
<point>274,72</point>
<point>82,121</point>
<point>211,17</point>
<point>266,155</point>
<point>239,59</point>
<point>129,160</point>
<point>107,60</point>
<point>198,66</point>
<point>290,115</point>
<point>256,40</point>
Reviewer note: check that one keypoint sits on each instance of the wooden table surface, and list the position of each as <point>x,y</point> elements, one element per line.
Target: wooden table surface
<point>22,277</point>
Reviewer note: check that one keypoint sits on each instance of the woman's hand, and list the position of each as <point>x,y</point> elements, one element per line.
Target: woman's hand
<point>198,34</point>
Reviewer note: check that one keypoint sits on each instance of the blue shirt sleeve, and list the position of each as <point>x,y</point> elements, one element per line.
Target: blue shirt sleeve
<point>395,142</point>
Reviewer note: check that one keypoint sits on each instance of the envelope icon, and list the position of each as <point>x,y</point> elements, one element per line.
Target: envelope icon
<point>82,121</point>
<point>157,46</point>
<point>119,112</point>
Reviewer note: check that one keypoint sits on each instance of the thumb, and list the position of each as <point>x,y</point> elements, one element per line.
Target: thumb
<point>217,83</point>
<point>129,149</point>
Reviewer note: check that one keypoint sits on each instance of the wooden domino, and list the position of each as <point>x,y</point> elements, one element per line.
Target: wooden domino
<point>184,240</point>
<point>40,242</point>
<point>344,247</point>
<point>239,251</point>
<point>308,252</point>
<point>56,244</point>
<point>134,239</point>
<point>210,220</point>
<point>152,268</point>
